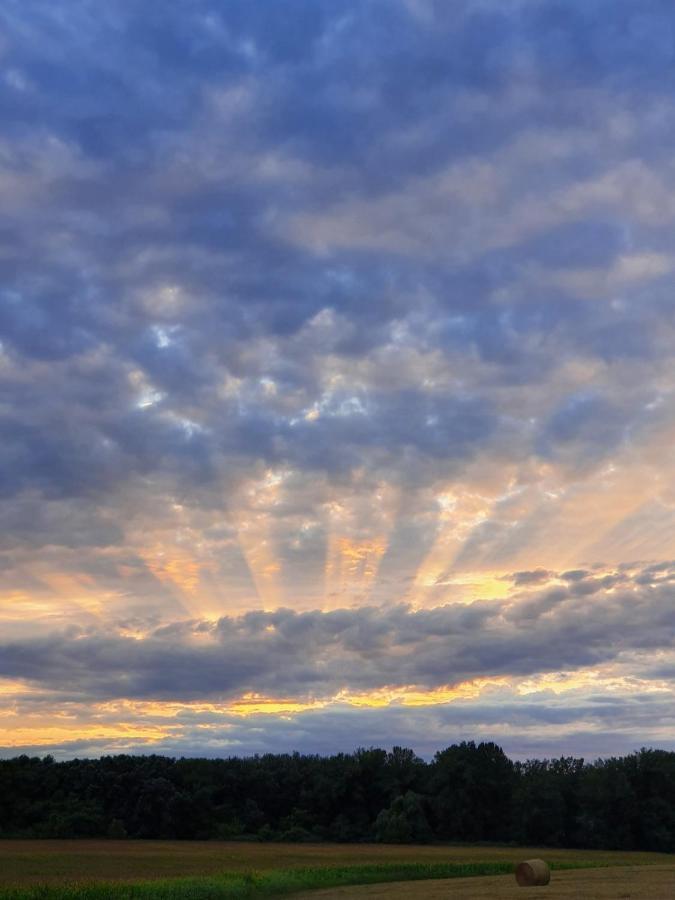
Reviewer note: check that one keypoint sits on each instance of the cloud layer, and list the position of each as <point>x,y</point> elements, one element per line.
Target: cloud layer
<point>316,324</point>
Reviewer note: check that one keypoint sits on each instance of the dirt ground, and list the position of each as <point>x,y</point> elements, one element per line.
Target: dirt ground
<point>630,883</point>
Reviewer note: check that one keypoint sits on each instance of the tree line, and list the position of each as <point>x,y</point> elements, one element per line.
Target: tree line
<point>468,792</point>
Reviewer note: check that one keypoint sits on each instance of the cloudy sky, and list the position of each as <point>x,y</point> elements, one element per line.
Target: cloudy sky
<point>337,397</point>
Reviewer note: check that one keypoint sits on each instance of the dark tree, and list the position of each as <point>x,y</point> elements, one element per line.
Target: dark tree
<point>472,787</point>
<point>470,792</point>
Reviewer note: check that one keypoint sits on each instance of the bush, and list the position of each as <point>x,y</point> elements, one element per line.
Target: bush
<point>404,822</point>
<point>116,830</point>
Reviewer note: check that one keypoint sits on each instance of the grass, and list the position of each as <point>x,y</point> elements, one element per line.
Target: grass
<point>231,886</point>
<point>144,870</point>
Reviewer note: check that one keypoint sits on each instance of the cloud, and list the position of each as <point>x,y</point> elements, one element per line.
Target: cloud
<point>535,577</point>
<point>340,313</point>
<point>528,725</point>
<point>594,621</point>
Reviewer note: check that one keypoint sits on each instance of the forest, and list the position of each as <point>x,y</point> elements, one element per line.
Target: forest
<point>468,792</point>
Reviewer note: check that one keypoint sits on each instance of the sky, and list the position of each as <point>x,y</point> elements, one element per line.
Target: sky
<point>337,397</point>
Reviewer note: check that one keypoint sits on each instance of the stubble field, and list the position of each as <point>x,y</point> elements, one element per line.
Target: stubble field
<point>620,883</point>
<point>123,870</point>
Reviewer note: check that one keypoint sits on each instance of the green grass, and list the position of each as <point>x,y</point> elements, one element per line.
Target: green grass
<point>145,870</point>
<point>273,883</point>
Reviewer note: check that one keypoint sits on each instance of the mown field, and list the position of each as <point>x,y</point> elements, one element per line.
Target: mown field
<point>124,870</point>
<point>621,883</point>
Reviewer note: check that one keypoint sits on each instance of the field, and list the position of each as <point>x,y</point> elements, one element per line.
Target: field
<point>625,883</point>
<point>98,870</point>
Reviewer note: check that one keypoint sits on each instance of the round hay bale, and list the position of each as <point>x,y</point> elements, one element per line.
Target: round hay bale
<point>532,872</point>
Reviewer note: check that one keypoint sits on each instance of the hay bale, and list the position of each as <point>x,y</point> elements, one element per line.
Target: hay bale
<point>532,872</point>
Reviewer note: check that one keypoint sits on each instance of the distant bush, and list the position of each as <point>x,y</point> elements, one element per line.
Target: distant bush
<point>404,822</point>
<point>116,830</point>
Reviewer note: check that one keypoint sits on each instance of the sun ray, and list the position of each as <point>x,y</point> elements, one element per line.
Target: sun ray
<point>459,513</point>
<point>76,590</point>
<point>357,542</point>
<point>254,520</point>
<point>178,571</point>
<point>262,562</point>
